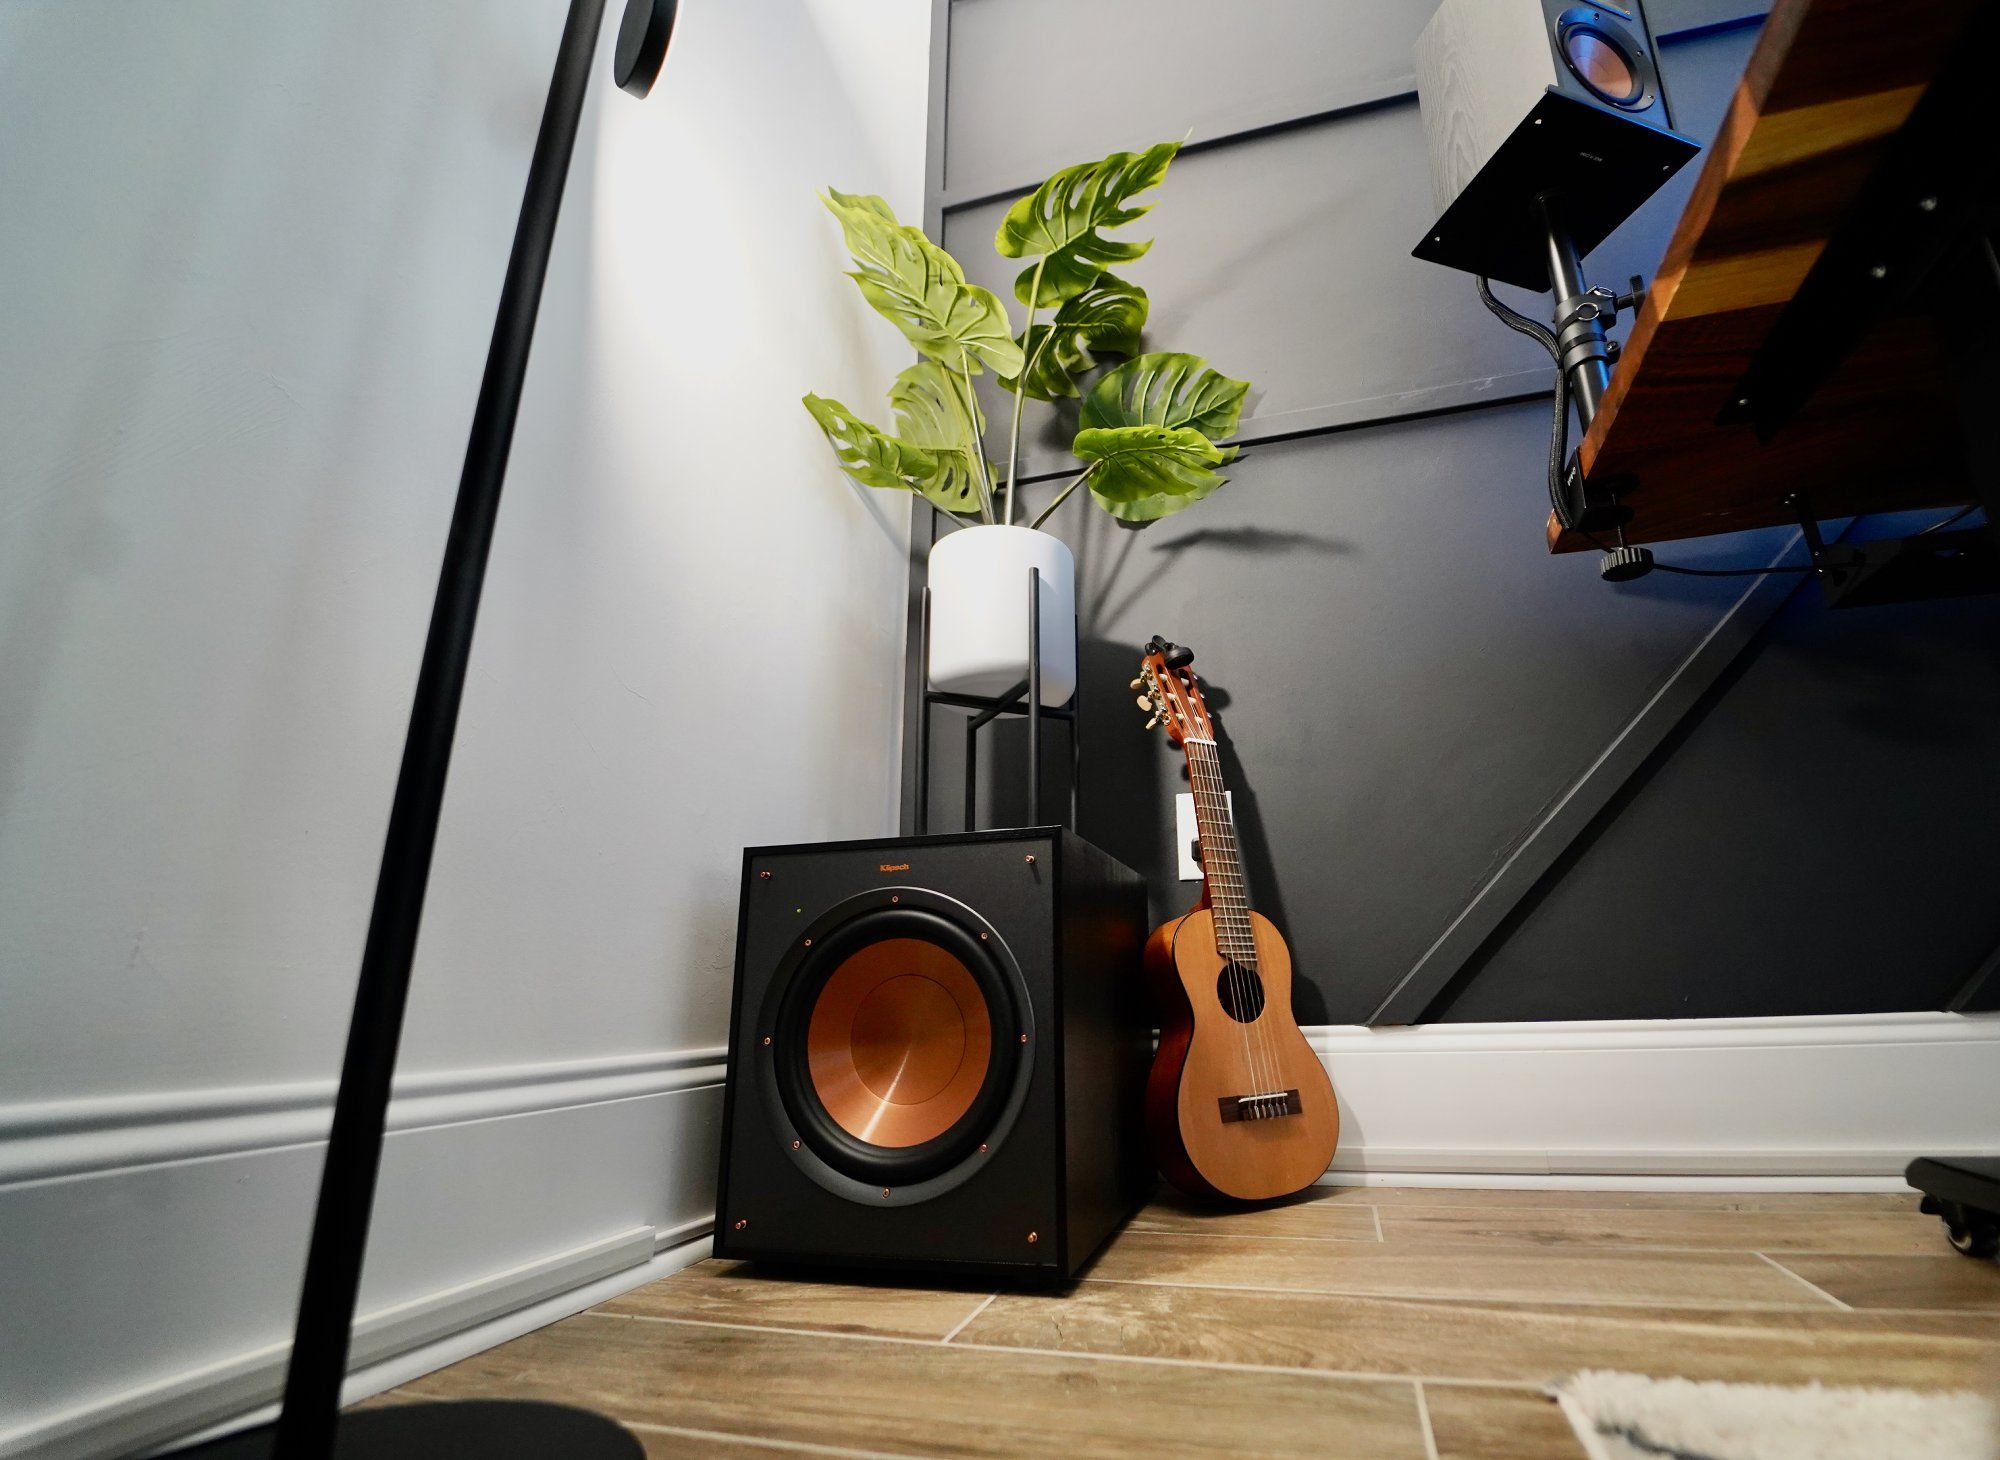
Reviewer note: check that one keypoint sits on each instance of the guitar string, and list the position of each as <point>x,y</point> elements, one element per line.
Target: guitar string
<point>1236,939</point>
<point>1244,933</point>
<point>1205,818</point>
<point>1261,1033</point>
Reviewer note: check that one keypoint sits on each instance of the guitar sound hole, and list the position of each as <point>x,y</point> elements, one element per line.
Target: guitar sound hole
<point>1241,992</point>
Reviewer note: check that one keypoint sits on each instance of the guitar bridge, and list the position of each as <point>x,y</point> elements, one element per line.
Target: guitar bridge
<point>1265,1105</point>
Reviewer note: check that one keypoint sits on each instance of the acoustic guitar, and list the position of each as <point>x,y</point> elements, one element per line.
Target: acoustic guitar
<point>1237,1103</point>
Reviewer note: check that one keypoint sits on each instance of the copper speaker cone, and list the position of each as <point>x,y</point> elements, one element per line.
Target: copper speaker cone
<point>1602,64</point>
<point>899,1042</point>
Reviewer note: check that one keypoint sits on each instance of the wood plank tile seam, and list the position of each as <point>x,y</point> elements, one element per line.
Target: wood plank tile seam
<point>1814,1286</point>
<point>1424,1421</point>
<point>1357,1338</point>
<point>1368,1376</point>
<point>967,1319</point>
<point>762,1442</point>
<point>1432,1296</point>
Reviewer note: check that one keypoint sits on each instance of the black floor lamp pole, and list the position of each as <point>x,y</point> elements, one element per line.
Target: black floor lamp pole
<point>354,1150</point>
<point>306,1426</point>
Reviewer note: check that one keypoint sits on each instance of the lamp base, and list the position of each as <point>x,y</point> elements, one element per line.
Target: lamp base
<point>468,1429</point>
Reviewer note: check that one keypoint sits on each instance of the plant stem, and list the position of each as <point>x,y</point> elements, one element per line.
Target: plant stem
<point>1021,387</point>
<point>1063,496</point>
<point>978,446</point>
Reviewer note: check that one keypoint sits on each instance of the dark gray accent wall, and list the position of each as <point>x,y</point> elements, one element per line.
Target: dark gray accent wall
<point>1473,782</point>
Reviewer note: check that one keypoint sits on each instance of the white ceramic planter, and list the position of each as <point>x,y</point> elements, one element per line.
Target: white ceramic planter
<point>979,612</point>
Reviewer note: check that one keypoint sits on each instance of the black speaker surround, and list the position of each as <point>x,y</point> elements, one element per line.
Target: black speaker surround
<point>937,1055</point>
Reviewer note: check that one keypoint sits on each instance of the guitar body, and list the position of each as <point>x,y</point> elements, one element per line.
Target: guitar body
<point>1209,1058</point>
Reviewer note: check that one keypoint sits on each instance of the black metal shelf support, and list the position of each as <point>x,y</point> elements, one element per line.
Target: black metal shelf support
<point>1025,698</point>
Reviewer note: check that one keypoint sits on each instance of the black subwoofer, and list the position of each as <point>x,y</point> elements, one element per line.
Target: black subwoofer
<point>937,1054</point>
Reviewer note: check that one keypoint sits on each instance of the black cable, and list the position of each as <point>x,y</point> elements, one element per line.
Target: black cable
<point>1559,429</point>
<point>1559,446</point>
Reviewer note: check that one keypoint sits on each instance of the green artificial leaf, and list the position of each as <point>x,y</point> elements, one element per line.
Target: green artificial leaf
<point>931,413</point>
<point>1060,222</point>
<point>1143,473</point>
<point>874,458</point>
<point>1166,389</point>
<point>920,289</point>
<point>1105,319</point>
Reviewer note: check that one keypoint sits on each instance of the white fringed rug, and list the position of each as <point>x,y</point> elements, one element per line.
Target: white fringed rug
<point>1633,1417</point>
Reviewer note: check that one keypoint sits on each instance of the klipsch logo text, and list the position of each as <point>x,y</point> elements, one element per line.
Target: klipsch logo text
<point>894,867</point>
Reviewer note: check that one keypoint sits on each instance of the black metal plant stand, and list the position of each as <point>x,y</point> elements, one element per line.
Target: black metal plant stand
<point>309,1426</point>
<point>1024,698</point>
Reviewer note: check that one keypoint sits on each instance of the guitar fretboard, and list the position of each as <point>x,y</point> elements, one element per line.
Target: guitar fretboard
<point>1227,897</point>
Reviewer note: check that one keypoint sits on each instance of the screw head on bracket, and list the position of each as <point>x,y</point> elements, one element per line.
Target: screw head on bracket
<point>741,1223</point>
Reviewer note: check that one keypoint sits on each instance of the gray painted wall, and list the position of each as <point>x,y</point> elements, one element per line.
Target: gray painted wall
<point>1473,782</point>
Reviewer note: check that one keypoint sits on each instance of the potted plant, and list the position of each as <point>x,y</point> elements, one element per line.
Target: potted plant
<point>1148,432</point>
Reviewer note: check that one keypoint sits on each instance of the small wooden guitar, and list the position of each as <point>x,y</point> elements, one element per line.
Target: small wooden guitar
<point>1237,1104</point>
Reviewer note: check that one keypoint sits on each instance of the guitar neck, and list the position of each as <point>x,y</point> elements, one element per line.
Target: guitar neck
<point>1228,898</point>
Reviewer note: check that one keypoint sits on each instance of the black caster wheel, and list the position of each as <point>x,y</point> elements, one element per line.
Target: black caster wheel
<point>1971,1231</point>
<point>1978,1236</point>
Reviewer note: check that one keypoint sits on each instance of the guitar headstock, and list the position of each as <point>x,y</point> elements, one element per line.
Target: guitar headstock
<point>1172,693</point>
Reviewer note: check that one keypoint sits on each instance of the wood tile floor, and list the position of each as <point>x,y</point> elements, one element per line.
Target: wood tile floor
<point>1361,1321</point>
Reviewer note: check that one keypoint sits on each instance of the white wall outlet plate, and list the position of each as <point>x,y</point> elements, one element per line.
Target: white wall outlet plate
<point>1187,834</point>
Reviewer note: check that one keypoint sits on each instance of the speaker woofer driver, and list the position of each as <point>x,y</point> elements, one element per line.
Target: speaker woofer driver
<point>900,1037</point>
<point>1606,58</point>
<point>899,1042</point>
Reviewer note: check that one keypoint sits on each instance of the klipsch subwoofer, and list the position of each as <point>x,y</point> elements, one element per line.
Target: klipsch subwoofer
<point>937,1055</point>
<point>1530,99</point>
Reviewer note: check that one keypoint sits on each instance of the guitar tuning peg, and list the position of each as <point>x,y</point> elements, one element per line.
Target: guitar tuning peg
<point>1135,684</point>
<point>1145,702</point>
<point>1152,722</point>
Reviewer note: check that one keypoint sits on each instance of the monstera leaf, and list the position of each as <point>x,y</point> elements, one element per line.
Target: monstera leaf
<point>920,289</point>
<point>1061,223</point>
<point>1105,319</point>
<point>1166,389</point>
<point>1143,473</point>
<point>932,414</point>
<point>874,458</point>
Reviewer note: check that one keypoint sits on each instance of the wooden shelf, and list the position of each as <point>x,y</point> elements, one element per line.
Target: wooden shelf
<point>1827,88</point>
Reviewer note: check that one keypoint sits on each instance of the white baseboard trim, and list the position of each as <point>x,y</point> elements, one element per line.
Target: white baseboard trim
<point>50,1140</point>
<point>1845,1099</point>
<point>390,1347</point>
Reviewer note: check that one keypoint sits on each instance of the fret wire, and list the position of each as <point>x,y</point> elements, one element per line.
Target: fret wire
<point>1235,935</point>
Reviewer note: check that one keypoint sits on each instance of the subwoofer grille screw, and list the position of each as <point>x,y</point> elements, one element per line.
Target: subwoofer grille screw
<point>895,899</point>
<point>795,1145</point>
<point>982,1145</point>
<point>885,1191</point>
<point>763,876</point>
<point>1034,1237</point>
<point>1024,1039</point>
<point>808,942</point>
<point>767,1039</point>
<point>1029,860</point>
<point>741,1223</point>
<point>983,937</point>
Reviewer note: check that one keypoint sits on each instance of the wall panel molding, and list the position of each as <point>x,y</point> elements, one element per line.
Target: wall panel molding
<point>1276,64</point>
<point>1566,818</point>
<point>41,1141</point>
<point>1838,1097</point>
<point>390,1346</point>
<point>501,1190</point>
<point>1284,257</point>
